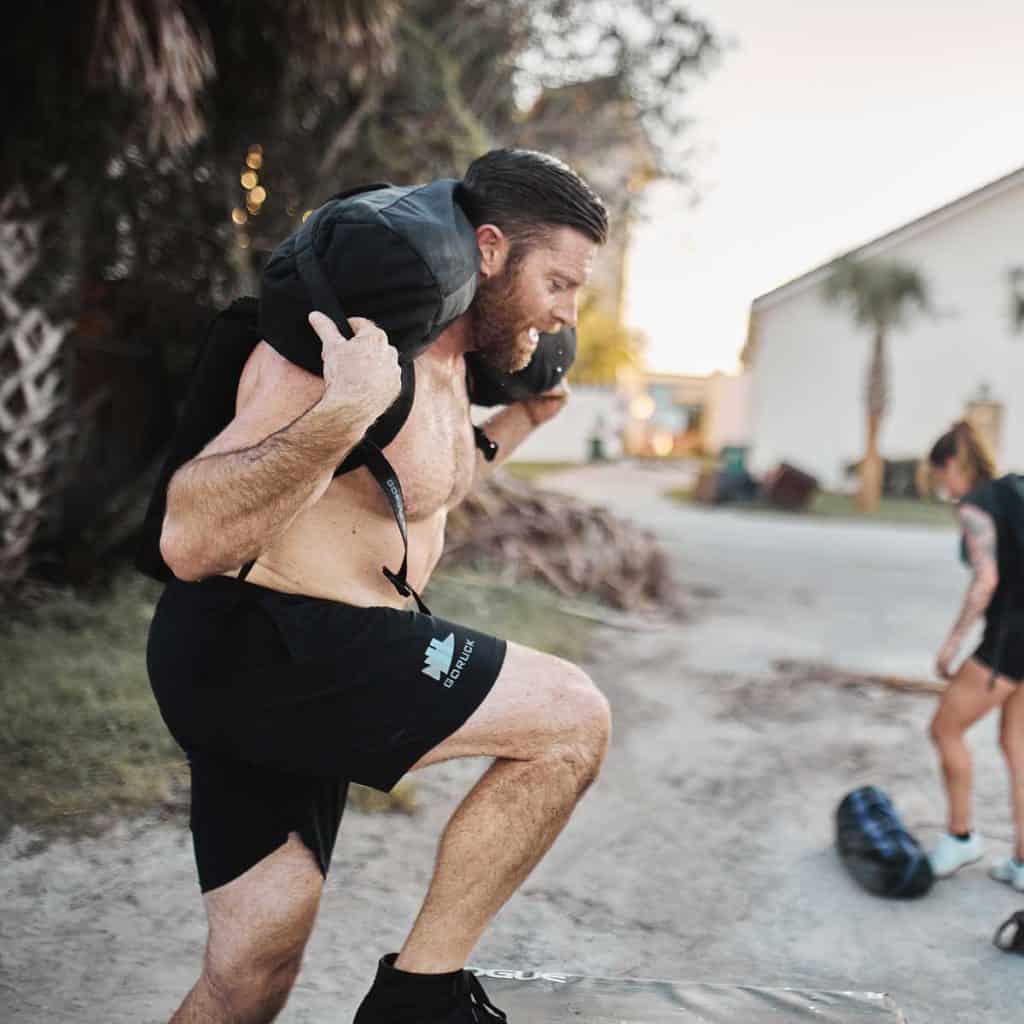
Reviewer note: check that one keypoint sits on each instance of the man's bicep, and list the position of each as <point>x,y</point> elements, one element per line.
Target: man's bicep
<point>272,394</point>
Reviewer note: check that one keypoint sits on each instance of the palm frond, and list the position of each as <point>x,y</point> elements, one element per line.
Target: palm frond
<point>880,294</point>
<point>151,48</point>
<point>346,38</point>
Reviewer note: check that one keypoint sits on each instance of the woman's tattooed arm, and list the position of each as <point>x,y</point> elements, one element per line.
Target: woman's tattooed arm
<point>980,537</point>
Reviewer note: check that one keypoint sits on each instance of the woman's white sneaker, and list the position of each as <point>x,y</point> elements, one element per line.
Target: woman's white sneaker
<point>1010,871</point>
<point>950,854</point>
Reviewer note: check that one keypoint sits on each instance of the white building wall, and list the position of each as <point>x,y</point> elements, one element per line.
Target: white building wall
<point>567,437</point>
<point>727,411</point>
<point>807,400</point>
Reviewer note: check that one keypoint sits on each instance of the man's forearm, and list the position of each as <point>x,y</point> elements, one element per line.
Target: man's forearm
<point>224,509</point>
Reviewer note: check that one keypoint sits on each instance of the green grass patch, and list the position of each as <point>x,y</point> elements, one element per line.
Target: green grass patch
<point>830,505</point>
<point>525,612</point>
<point>532,471</point>
<point>81,740</point>
<point>684,495</point>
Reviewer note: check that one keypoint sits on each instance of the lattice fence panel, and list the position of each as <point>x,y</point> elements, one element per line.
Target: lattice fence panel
<point>31,390</point>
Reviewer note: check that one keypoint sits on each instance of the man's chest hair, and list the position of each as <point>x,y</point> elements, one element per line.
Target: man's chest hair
<point>434,453</point>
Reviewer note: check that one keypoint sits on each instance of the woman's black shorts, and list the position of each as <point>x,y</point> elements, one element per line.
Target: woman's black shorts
<point>280,700</point>
<point>1002,646</point>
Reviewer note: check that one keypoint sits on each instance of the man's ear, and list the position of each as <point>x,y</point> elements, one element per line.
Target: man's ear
<point>494,248</point>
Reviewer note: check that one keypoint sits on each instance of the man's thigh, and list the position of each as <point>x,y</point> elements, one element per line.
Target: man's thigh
<point>537,702</point>
<point>264,916</point>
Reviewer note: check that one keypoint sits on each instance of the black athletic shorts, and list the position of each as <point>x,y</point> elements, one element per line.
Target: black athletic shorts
<point>1002,646</point>
<point>280,700</point>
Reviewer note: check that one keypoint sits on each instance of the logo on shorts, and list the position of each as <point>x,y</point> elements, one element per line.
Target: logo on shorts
<point>438,659</point>
<point>439,656</point>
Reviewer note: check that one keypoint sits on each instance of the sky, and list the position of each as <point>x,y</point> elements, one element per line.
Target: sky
<point>826,124</point>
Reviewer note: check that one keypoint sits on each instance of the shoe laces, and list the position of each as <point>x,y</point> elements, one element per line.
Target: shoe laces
<point>481,1008</point>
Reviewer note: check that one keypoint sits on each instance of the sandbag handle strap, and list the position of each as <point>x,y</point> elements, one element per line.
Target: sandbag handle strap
<point>320,291</point>
<point>326,301</point>
<point>387,479</point>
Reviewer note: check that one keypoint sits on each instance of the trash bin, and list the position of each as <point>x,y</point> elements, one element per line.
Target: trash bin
<point>733,457</point>
<point>789,487</point>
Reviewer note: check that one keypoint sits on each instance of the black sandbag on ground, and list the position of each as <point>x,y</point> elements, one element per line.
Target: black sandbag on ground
<point>877,850</point>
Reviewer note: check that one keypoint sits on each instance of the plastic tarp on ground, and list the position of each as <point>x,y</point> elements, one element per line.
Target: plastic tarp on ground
<point>529,997</point>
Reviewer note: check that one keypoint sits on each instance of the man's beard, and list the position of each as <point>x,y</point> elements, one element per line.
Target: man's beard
<point>499,327</point>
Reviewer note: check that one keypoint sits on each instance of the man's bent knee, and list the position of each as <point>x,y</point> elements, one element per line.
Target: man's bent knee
<point>538,704</point>
<point>595,722</point>
<point>584,740</point>
<point>259,925</point>
<point>253,992</point>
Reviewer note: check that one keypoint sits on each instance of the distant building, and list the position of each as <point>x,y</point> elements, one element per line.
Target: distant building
<point>644,414</point>
<point>726,420</point>
<point>666,412</point>
<point>808,359</point>
<point>593,424</point>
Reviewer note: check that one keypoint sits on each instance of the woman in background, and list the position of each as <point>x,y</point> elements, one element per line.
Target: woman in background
<point>987,510</point>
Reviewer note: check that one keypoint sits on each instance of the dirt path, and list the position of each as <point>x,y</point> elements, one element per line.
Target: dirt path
<point>703,853</point>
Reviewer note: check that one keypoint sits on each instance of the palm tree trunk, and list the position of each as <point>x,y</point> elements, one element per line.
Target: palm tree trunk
<point>31,390</point>
<point>872,468</point>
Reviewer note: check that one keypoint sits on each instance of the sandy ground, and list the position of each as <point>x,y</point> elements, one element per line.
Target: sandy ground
<point>703,853</point>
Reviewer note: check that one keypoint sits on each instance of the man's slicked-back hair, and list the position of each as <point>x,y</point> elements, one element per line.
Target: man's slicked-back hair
<point>525,193</point>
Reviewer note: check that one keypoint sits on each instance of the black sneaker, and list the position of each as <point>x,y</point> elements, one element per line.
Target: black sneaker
<point>458,998</point>
<point>473,1005</point>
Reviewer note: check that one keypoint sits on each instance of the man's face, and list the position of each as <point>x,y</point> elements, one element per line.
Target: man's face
<point>535,292</point>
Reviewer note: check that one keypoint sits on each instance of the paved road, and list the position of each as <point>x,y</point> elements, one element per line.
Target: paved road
<point>861,596</point>
<point>760,763</point>
<point>704,852</point>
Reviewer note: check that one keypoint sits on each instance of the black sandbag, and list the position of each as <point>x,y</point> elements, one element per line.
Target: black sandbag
<point>405,257</point>
<point>554,355</point>
<point>877,850</point>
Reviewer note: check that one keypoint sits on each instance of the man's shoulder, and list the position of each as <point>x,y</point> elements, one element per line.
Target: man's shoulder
<point>269,379</point>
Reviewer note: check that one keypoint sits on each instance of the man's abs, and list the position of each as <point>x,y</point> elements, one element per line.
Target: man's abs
<point>337,548</point>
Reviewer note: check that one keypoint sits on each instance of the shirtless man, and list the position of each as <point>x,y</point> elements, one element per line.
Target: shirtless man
<point>312,673</point>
